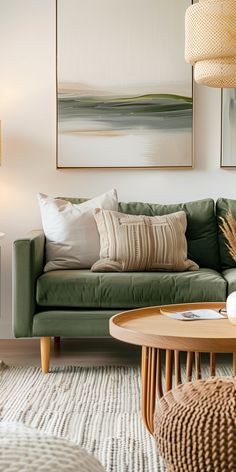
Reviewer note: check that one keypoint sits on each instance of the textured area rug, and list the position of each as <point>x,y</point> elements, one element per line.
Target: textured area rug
<point>97,408</point>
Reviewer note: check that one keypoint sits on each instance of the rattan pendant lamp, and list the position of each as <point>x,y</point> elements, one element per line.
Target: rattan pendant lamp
<point>210,42</point>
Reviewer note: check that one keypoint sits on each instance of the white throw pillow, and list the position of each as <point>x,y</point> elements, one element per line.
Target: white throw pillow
<point>72,237</point>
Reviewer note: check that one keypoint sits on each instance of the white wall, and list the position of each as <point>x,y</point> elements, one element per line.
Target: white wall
<point>27,111</point>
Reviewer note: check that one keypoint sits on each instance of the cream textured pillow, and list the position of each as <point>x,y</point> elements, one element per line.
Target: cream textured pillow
<point>137,243</point>
<point>72,238</point>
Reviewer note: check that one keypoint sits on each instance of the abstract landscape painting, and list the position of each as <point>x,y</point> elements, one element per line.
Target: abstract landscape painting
<point>124,92</point>
<point>228,128</point>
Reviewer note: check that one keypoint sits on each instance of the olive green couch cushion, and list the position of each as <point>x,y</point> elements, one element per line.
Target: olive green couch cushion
<point>223,205</point>
<point>72,323</point>
<point>202,230</point>
<point>83,289</point>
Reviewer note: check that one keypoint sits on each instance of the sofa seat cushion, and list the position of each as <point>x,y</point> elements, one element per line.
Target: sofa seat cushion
<point>72,323</point>
<point>86,289</point>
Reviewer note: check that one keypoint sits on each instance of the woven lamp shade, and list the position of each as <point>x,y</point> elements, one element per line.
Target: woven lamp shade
<point>195,426</point>
<point>210,42</point>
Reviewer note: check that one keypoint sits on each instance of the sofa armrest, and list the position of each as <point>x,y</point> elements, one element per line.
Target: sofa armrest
<point>28,261</point>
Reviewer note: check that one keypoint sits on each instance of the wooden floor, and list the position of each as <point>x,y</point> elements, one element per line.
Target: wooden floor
<point>83,352</point>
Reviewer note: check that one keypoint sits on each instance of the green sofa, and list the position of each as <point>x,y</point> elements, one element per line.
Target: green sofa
<point>73,303</point>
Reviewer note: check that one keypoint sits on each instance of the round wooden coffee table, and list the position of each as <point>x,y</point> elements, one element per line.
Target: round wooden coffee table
<point>155,332</point>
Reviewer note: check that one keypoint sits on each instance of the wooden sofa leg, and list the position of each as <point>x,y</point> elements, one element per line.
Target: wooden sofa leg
<point>45,346</point>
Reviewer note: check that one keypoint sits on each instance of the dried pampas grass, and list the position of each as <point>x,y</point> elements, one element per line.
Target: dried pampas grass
<point>228,228</point>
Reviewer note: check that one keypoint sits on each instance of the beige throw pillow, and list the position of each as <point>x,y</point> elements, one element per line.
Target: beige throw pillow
<point>138,243</point>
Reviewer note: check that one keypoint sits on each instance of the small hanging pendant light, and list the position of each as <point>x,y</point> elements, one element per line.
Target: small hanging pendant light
<point>210,42</point>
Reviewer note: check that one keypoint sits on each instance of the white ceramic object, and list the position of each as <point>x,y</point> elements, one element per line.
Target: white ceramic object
<point>231,307</point>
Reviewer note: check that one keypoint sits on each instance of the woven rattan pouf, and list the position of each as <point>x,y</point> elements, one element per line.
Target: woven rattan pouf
<point>24,449</point>
<point>195,426</point>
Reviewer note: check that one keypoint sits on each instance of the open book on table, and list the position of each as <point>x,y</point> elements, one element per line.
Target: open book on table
<point>192,315</point>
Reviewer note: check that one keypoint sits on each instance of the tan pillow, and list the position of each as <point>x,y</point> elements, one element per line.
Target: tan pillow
<point>137,243</point>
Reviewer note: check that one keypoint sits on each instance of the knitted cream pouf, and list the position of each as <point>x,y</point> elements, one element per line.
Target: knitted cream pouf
<point>25,449</point>
<point>195,426</point>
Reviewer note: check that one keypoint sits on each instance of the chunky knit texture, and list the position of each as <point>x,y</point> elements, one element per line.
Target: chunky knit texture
<point>195,426</point>
<point>24,449</point>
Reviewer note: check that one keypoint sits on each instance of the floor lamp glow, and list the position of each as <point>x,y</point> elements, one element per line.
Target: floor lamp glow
<point>210,42</point>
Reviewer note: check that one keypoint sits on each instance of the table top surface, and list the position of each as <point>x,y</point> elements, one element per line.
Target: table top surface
<point>147,327</point>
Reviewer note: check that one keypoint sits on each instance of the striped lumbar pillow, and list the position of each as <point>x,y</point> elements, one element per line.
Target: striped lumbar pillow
<point>137,243</point>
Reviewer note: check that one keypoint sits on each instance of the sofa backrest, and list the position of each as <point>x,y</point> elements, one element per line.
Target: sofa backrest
<point>223,206</point>
<point>202,231</point>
